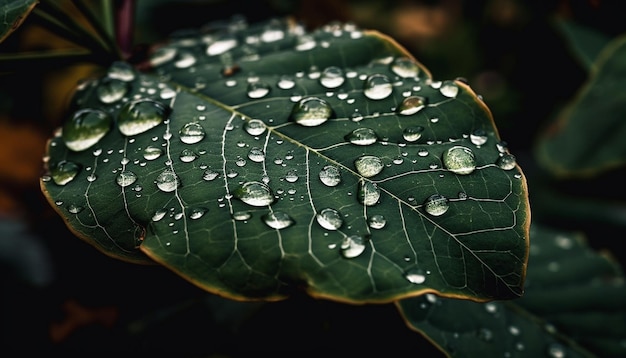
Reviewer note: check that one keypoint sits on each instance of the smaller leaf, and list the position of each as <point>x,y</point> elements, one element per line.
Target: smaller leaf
<point>586,43</point>
<point>13,13</point>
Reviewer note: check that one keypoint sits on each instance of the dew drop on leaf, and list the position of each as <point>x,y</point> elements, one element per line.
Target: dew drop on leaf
<point>291,176</point>
<point>377,221</point>
<point>254,193</point>
<point>125,178</point>
<point>412,134</point>
<point>191,133</point>
<point>152,152</point>
<point>286,82</point>
<point>478,137</point>
<point>75,209</point>
<point>197,213</point>
<point>167,181</point>
<point>277,220</point>
<point>332,77</point>
<point>377,86</point>
<point>352,246</point>
<point>329,219</point>
<point>85,129</point>
<point>222,45</point>
<point>411,105</point>
<point>362,136</point>
<point>187,155</point>
<point>111,90</point>
<point>459,160</point>
<point>311,112</point>
<point>436,205</point>
<point>330,175</point>
<point>64,172</point>
<point>556,350</point>
<point>241,215</point>
<point>258,89</point>
<point>449,89</point>
<point>368,193</point>
<point>254,127</point>
<point>141,115</point>
<point>159,214</point>
<point>368,165</point>
<point>256,155</point>
<point>506,161</point>
<point>415,275</point>
<point>405,67</point>
<point>210,175</point>
<point>122,71</point>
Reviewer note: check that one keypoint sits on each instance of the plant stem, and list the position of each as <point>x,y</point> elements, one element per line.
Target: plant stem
<point>124,14</point>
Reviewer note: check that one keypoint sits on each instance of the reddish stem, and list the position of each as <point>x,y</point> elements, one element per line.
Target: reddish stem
<point>124,26</point>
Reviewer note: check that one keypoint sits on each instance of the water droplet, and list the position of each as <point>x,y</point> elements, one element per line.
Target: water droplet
<point>220,46</point>
<point>411,105</point>
<point>352,246</point>
<point>412,134</point>
<point>368,165</point>
<point>332,77</point>
<point>122,71</point>
<point>141,115</point>
<point>478,137</point>
<point>152,153</point>
<point>254,193</point>
<point>111,90</point>
<point>362,136</point>
<point>449,89</point>
<point>506,161</point>
<point>126,178</point>
<point>305,43</point>
<point>197,213</point>
<point>436,205</point>
<point>405,67</point>
<point>291,176</point>
<point>286,82</point>
<point>368,193</point>
<point>377,87</point>
<point>210,174</point>
<point>167,181</point>
<point>459,160</point>
<point>311,111</point>
<point>159,214</point>
<point>187,155</point>
<point>415,275</point>
<point>258,89</point>
<point>75,209</point>
<point>64,172</point>
<point>191,133</point>
<point>329,219</point>
<point>241,215</point>
<point>85,129</point>
<point>377,221</point>
<point>256,155</point>
<point>277,220</point>
<point>556,350</point>
<point>254,127</point>
<point>330,175</point>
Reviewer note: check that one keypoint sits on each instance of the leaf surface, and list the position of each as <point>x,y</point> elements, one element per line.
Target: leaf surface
<point>13,13</point>
<point>269,159</point>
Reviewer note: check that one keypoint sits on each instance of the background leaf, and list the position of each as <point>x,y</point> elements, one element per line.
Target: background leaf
<point>14,12</point>
<point>214,167</point>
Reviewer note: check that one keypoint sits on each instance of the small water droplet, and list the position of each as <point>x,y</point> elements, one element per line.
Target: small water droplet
<point>75,209</point>
<point>405,67</point>
<point>278,220</point>
<point>362,136</point>
<point>329,219</point>
<point>221,46</point>
<point>368,165</point>
<point>141,115</point>
<point>256,155</point>
<point>311,111</point>
<point>254,193</point>
<point>286,82</point>
<point>415,275</point>
<point>210,174</point>
<point>187,155</point>
<point>352,246</point>
<point>291,176</point>
<point>411,105</point>
<point>459,160</point>
<point>197,213</point>
<point>449,89</point>
<point>126,178</point>
<point>64,172</point>
<point>507,161</point>
<point>167,181</point>
<point>377,87</point>
<point>191,133</point>
<point>436,204</point>
<point>152,153</point>
<point>85,129</point>
<point>159,214</point>
<point>254,127</point>
<point>377,221</point>
<point>330,175</point>
<point>368,193</point>
<point>258,89</point>
<point>412,134</point>
<point>478,137</point>
<point>556,350</point>
<point>332,77</point>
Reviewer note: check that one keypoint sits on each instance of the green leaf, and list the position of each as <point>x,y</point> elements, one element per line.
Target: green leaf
<point>587,136</point>
<point>586,43</point>
<point>255,160</point>
<point>14,12</point>
<point>573,306</point>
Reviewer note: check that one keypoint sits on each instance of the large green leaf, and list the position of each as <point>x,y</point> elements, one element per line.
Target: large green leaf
<point>587,136</point>
<point>258,159</point>
<point>574,305</point>
<point>13,13</point>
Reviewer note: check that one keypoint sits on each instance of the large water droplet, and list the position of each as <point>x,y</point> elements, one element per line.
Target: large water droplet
<point>412,134</point>
<point>377,87</point>
<point>278,220</point>
<point>436,205</point>
<point>332,77</point>
<point>478,137</point>
<point>311,111</point>
<point>125,178</point>
<point>256,155</point>
<point>86,128</point>
<point>352,246</point>
<point>405,67</point>
<point>254,127</point>
<point>122,71</point>
<point>329,219</point>
<point>368,165</point>
<point>167,181</point>
<point>368,193</point>
<point>330,175</point>
<point>152,153</point>
<point>64,172</point>
<point>111,90</point>
<point>449,89</point>
<point>141,115</point>
<point>411,105</point>
<point>506,161</point>
<point>362,136</point>
<point>377,221</point>
<point>459,160</point>
<point>254,193</point>
<point>191,133</point>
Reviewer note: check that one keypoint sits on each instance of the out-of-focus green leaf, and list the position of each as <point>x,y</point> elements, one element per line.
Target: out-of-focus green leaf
<point>13,13</point>
<point>574,305</point>
<point>259,159</point>
<point>586,43</point>
<point>588,135</point>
